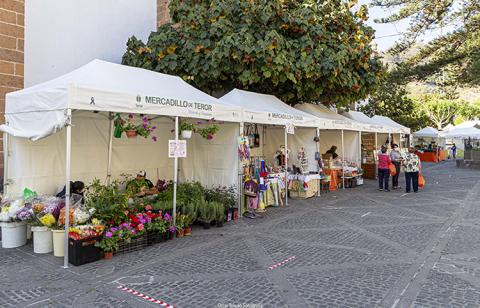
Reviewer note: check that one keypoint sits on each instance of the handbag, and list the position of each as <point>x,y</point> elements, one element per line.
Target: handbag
<point>256,137</point>
<point>393,169</point>
<point>421,180</point>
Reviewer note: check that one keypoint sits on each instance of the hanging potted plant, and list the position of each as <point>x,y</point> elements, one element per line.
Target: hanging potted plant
<point>13,221</point>
<point>187,129</point>
<point>209,131</point>
<point>130,130</point>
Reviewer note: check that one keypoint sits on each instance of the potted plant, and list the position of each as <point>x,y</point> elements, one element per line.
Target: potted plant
<point>209,131</point>
<point>219,213</point>
<point>130,130</point>
<point>108,244</point>
<point>187,129</point>
<point>13,221</point>
<point>191,211</point>
<point>205,213</point>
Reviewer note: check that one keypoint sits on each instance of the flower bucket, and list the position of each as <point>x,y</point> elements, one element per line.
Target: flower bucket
<point>188,231</point>
<point>187,134</point>
<point>14,234</point>
<point>58,243</point>
<point>42,240</point>
<point>131,133</point>
<point>108,255</point>
<point>29,232</point>
<point>180,232</point>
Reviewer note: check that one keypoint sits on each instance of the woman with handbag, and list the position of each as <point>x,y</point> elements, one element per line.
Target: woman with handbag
<point>412,165</point>
<point>383,170</point>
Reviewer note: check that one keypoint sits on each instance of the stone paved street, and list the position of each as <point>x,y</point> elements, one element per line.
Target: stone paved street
<point>353,248</point>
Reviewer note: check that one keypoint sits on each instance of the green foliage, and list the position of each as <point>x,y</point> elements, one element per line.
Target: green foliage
<point>219,211</point>
<point>209,131</point>
<point>392,100</point>
<point>158,225</point>
<point>470,111</point>
<point>456,50</point>
<point>108,244</point>
<point>440,111</point>
<point>184,125</point>
<point>300,51</point>
<point>191,211</point>
<point>189,193</point>
<point>110,205</point>
<point>206,211</point>
<point>222,194</point>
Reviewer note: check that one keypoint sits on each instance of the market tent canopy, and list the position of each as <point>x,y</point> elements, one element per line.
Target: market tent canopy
<point>389,122</point>
<point>39,111</point>
<point>428,131</point>
<point>330,119</point>
<point>371,124</point>
<point>468,124</point>
<point>267,109</point>
<point>463,133</point>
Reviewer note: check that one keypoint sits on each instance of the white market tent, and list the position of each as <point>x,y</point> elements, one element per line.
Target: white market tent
<point>398,128</point>
<point>463,133</point>
<point>267,109</point>
<point>369,123</point>
<point>99,86</point>
<point>330,119</point>
<point>428,132</point>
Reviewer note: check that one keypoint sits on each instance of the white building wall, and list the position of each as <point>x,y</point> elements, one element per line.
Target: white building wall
<point>62,35</point>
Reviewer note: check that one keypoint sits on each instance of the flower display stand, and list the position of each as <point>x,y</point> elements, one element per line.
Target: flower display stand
<point>14,234</point>
<point>42,240</point>
<point>83,251</point>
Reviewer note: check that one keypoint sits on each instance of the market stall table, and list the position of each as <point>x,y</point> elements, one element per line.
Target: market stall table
<point>303,185</point>
<point>430,157</point>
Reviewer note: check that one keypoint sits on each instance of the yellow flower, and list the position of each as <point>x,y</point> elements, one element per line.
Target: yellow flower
<point>47,220</point>
<point>171,49</point>
<point>160,55</point>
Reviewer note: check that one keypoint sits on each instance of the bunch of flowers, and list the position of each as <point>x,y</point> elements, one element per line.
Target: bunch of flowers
<point>10,210</point>
<point>85,231</point>
<point>169,221</point>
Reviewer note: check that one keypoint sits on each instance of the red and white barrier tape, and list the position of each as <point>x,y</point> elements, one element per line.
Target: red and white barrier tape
<point>281,263</point>
<point>148,298</point>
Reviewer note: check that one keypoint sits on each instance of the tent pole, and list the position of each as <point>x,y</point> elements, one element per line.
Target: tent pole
<point>318,163</point>
<point>360,148</point>
<point>110,146</point>
<point>286,166</point>
<point>5,164</point>
<point>175,176</point>
<point>240,175</point>
<point>389,141</point>
<point>67,185</point>
<point>343,162</point>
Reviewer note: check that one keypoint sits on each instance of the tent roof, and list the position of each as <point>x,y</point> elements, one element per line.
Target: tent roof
<point>374,125</point>
<point>427,132</point>
<point>39,111</point>
<point>331,119</point>
<point>463,133</point>
<point>267,109</point>
<point>391,123</point>
<point>468,124</point>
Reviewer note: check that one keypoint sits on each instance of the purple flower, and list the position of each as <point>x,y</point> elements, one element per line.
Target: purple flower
<point>154,138</point>
<point>154,127</point>
<point>113,229</point>
<point>167,217</point>
<point>130,116</point>
<point>145,125</point>
<point>172,229</point>
<point>145,119</point>
<point>134,231</point>
<point>108,235</point>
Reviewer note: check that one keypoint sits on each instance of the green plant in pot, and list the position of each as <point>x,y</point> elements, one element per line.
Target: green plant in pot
<point>209,131</point>
<point>219,213</point>
<point>206,213</point>
<point>187,129</point>
<point>109,244</point>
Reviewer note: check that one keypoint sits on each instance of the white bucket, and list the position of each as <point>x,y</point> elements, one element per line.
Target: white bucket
<point>186,134</point>
<point>58,242</point>
<point>14,234</point>
<point>42,240</point>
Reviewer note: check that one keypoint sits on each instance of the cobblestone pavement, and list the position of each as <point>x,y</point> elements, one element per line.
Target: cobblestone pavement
<point>354,248</point>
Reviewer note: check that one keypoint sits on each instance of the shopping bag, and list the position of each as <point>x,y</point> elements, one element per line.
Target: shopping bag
<point>393,169</point>
<point>421,180</point>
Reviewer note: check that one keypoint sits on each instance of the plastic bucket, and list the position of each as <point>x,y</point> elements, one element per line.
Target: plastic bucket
<point>58,243</point>
<point>14,234</point>
<point>186,134</point>
<point>42,240</point>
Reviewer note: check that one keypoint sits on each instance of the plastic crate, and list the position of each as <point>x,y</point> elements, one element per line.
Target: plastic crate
<point>83,251</point>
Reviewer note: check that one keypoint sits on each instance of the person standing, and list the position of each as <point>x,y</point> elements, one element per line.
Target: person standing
<point>383,171</point>
<point>396,158</point>
<point>412,165</point>
<point>454,151</point>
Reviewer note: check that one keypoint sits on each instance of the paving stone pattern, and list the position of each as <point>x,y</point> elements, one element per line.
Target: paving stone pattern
<point>354,248</point>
